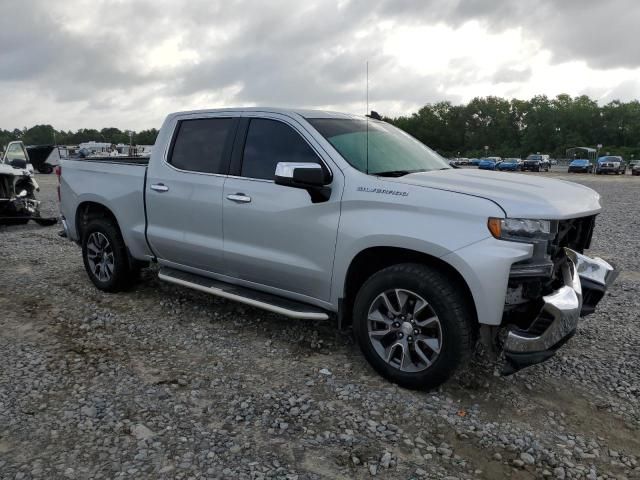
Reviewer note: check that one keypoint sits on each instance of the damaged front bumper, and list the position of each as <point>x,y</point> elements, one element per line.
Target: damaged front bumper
<point>585,282</point>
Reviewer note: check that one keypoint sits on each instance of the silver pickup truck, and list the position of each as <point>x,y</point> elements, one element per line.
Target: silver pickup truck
<point>318,215</point>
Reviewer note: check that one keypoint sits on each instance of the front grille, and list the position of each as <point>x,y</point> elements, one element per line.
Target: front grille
<point>574,233</point>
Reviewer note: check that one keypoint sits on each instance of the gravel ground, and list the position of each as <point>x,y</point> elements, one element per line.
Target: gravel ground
<point>164,382</point>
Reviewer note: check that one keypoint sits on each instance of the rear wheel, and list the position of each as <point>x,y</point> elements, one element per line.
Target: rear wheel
<point>105,256</point>
<point>413,325</point>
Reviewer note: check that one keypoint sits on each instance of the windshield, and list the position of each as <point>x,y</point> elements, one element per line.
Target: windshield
<point>388,150</point>
<point>580,162</point>
<point>511,160</point>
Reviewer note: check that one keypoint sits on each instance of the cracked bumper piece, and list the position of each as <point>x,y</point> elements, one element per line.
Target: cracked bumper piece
<point>596,275</point>
<point>585,282</point>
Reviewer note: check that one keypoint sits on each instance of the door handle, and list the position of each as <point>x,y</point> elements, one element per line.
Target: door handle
<point>239,198</point>
<point>159,187</point>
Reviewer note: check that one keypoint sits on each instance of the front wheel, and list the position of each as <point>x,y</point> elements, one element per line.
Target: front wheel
<point>413,325</point>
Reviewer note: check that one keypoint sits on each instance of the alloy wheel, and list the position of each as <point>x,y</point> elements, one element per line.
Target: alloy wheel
<point>404,330</point>
<point>100,256</point>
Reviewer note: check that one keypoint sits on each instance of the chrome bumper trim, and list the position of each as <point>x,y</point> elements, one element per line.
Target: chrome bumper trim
<point>582,276</point>
<point>563,306</point>
<point>594,270</point>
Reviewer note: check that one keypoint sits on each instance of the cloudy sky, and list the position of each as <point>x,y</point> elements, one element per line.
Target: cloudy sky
<point>97,63</point>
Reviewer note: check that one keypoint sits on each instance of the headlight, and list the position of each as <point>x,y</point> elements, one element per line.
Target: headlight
<point>520,229</point>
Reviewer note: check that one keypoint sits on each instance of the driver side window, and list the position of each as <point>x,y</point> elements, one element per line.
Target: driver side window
<point>270,142</point>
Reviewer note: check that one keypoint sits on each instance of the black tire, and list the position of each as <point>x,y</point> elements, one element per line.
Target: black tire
<point>45,168</point>
<point>453,310</point>
<point>121,275</point>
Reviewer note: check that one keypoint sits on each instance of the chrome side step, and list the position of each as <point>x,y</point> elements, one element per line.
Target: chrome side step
<point>266,301</point>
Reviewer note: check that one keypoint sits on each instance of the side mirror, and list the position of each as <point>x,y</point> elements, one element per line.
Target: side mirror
<point>308,176</point>
<point>18,163</point>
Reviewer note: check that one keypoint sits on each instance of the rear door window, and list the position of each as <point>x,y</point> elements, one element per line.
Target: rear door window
<point>202,145</point>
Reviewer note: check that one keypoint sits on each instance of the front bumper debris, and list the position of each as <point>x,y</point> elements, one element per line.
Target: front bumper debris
<point>596,275</point>
<point>585,282</point>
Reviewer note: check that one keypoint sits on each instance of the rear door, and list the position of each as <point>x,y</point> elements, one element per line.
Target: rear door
<point>274,235</point>
<point>184,193</point>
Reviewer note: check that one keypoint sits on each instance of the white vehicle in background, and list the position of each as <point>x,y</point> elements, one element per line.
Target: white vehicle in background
<point>18,187</point>
<point>17,151</point>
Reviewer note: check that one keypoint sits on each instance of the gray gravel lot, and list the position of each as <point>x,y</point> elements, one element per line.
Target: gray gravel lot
<point>164,382</point>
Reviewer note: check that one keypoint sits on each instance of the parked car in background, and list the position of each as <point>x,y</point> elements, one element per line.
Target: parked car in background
<point>420,259</point>
<point>635,169</point>
<point>509,164</point>
<point>580,165</point>
<point>487,164</point>
<point>536,163</point>
<point>474,162</point>
<point>611,164</point>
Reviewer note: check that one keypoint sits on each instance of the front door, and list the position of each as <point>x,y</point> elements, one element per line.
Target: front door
<point>184,194</point>
<point>274,235</point>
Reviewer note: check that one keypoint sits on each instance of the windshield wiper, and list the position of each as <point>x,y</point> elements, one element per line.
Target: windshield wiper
<point>397,173</point>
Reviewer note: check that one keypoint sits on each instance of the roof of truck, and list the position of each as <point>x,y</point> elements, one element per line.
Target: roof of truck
<point>306,113</point>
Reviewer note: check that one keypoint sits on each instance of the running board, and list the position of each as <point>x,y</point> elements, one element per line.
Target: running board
<point>266,301</point>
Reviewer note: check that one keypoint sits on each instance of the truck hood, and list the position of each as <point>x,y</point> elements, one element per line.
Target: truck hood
<point>520,196</point>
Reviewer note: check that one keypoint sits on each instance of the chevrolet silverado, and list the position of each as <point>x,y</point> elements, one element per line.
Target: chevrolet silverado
<point>319,215</point>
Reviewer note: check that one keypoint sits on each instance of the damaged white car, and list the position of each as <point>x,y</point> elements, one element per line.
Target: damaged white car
<point>18,186</point>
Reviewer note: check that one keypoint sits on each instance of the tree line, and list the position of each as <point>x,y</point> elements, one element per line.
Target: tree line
<point>47,135</point>
<point>517,128</point>
<point>509,128</point>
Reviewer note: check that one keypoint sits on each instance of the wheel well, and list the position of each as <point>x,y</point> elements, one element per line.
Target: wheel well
<point>87,211</point>
<point>374,259</point>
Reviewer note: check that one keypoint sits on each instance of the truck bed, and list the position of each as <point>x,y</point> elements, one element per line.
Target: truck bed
<point>115,182</point>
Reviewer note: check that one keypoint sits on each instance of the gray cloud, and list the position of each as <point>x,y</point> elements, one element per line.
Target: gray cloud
<point>89,58</point>
<point>510,75</point>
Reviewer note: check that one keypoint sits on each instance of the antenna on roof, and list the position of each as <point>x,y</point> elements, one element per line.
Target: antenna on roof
<point>367,116</point>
